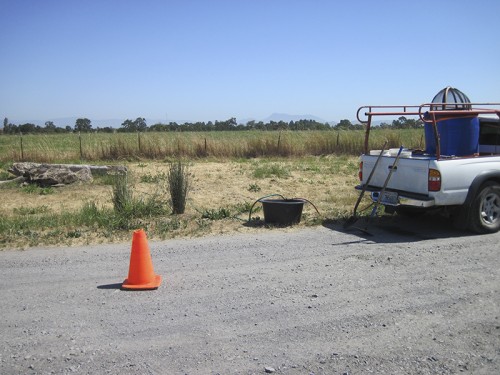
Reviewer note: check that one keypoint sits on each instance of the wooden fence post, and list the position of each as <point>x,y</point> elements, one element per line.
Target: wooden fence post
<point>80,139</point>
<point>22,149</point>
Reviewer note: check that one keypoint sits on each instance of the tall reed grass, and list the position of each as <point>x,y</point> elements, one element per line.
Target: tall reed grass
<point>240,144</point>
<point>178,183</point>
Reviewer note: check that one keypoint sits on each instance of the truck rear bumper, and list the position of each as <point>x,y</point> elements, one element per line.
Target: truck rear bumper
<point>399,198</point>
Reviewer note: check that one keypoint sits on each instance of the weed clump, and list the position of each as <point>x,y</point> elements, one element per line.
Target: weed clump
<point>271,170</point>
<point>127,208</point>
<point>218,214</point>
<point>122,195</point>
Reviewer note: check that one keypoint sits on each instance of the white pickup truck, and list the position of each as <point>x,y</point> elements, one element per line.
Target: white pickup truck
<point>410,182</point>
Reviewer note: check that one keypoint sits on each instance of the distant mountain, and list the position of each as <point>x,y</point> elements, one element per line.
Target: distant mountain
<point>244,121</point>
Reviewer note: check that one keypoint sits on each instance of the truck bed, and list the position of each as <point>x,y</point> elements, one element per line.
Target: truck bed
<point>404,177</point>
<point>410,177</point>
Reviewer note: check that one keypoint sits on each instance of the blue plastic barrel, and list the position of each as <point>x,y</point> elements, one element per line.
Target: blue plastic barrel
<point>458,136</point>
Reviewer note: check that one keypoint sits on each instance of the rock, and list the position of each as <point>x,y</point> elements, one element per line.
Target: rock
<point>61,174</point>
<point>108,169</point>
<point>269,370</point>
<point>50,175</point>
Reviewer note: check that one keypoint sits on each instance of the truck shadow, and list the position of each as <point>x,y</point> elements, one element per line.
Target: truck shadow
<point>396,229</point>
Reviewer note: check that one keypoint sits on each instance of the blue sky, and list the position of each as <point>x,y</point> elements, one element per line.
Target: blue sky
<point>213,59</point>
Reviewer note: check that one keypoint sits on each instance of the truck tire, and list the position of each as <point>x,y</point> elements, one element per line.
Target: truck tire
<point>485,210</point>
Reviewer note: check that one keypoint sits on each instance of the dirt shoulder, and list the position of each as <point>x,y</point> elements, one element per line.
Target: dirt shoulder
<point>415,298</point>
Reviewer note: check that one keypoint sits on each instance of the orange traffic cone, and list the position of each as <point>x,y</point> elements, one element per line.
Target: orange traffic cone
<point>140,273</point>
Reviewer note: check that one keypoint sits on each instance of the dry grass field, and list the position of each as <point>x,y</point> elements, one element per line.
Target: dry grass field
<point>220,195</point>
<point>95,147</point>
<point>228,172</point>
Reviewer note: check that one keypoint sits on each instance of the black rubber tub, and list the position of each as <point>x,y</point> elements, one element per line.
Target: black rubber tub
<point>282,211</point>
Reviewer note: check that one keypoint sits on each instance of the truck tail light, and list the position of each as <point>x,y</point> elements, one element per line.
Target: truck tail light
<point>360,172</point>
<point>434,180</point>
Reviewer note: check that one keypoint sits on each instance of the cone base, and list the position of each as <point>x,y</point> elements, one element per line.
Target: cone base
<point>154,284</point>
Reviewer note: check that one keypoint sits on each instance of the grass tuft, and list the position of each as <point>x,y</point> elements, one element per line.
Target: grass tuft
<point>218,214</point>
<point>153,179</point>
<point>271,170</point>
<point>35,189</point>
<point>254,188</point>
<point>122,194</point>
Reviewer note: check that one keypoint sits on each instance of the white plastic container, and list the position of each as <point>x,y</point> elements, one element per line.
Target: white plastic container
<point>377,152</point>
<point>405,153</point>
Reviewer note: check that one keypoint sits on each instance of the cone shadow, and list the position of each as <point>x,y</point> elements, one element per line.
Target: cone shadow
<point>110,286</point>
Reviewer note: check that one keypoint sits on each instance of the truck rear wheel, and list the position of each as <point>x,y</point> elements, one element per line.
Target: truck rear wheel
<point>485,210</point>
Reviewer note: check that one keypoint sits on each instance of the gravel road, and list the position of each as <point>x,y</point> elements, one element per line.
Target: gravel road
<point>414,298</point>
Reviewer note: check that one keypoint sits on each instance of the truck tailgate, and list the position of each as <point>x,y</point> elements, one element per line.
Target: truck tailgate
<point>410,174</point>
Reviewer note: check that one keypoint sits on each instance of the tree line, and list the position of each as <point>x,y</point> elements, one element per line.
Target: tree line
<point>84,125</point>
